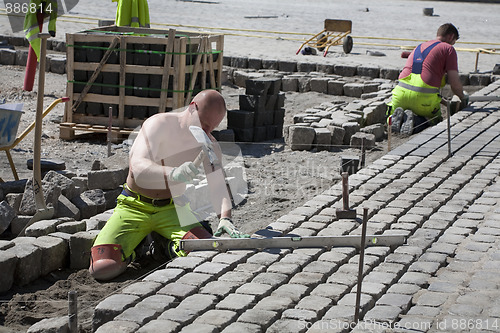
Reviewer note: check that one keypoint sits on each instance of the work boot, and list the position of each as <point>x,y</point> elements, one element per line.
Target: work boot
<point>397,119</point>
<point>407,126</point>
<point>419,124</point>
<point>160,248</point>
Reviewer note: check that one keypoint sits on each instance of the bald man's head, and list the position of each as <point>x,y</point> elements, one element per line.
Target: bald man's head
<point>211,108</point>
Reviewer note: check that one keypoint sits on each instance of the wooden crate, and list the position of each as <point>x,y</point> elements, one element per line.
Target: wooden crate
<point>136,72</point>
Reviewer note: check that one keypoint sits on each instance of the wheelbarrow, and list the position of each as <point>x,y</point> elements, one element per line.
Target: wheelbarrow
<point>336,32</point>
<point>9,124</point>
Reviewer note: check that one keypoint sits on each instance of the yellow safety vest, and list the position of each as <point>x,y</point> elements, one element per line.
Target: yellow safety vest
<point>31,28</point>
<point>132,13</point>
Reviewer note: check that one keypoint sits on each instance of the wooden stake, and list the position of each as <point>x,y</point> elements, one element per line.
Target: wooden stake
<point>110,124</point>
<point>73,312</point>
<point>389,134</point>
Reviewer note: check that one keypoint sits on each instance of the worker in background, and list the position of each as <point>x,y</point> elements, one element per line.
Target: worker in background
<point>416,99</point>
<point>132,13</point>
<point>33,19</point>
<point>160,166</point>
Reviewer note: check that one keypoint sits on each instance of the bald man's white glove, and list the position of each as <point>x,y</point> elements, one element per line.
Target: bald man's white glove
<point>183,173</point>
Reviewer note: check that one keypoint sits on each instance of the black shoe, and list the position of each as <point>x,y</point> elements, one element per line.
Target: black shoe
<point>397,120</point>
<point>407,126</point>
<point>161,249</point>
<point>419,124</point>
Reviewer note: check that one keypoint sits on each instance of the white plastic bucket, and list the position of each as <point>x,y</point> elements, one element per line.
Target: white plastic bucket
<point>10,115</point>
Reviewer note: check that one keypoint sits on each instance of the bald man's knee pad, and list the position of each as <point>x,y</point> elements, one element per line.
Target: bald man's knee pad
<point>106,261</point>
<point>195,233</point>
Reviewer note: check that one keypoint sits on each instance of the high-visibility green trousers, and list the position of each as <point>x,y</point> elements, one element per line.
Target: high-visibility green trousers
<point>133,220</point>
<point>427,105</point>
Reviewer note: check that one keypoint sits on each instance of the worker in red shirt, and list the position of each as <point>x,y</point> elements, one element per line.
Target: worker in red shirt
<point>416,99</point>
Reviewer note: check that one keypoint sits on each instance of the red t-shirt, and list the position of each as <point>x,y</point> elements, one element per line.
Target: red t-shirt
<point>439,61</point>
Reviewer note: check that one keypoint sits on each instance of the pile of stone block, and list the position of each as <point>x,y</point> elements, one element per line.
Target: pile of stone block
<point>261,114</point>
<point>71,196</point>
<point>355,124</point>
<point>82,205</point>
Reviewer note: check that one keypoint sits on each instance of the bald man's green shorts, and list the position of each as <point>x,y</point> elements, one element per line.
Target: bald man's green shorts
<point>133,220</point>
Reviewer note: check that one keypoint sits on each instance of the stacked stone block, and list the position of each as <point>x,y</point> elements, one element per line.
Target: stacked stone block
<point>261,114</point>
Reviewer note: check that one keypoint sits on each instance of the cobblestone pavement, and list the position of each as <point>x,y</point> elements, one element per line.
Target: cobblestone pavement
<point>445,278</point>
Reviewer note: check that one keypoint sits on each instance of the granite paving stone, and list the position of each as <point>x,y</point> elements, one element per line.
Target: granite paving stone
<point>424,310</point>
<point>142,288</point>
<point>439,258</point>
<point>386,278</point>
<point>284,268</point>
<point>137,315</point>
<point>112,306</point>
<point>212,268</point>
<point>347,279</point>
<point>187,263</point>
<point>118,326</point>
<point>294,291</point>
<point>199,328</point>
<point>198,302</point>
<point>340,311</point>
<point>220,288</point>
<point>334,291</point>
<point>287,325</point>
<point>164,275</point>
<point>178,290</point>
<point>307,279</point>
<point>257,289</point>
<point>404,288</point>
<point>183,316</point>
<point>250,268</point>
<point>157,302</point>
<point>444,285</point>
<point>236,302</point>
<point>297,258</point>
<point>237,276</point>
<point>276,303</point>
<point>237,327</point>
<point>264,258</point>
<point>300,314</point>
<point>260,317</point>
<point>314,303</point>
<point>374,289</point>
<point>156,326</point>
<point>383,313</point>
<point>322,267</point>
<point>195,279</point>
<point>272,279</point>
<point>428,267</point>
<point>420,279</point>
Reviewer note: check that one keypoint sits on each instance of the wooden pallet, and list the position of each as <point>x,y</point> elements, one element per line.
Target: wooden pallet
<point>117,133</point>
<point>180,79</point>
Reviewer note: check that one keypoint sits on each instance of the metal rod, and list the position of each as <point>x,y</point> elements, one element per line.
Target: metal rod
<point>345,190</point>
<point>361,263</point>
<point>363,153</point>
<point>110,124</point>
<point>73,311</point>
<point>448,112</point>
